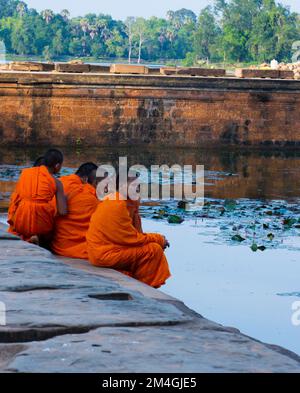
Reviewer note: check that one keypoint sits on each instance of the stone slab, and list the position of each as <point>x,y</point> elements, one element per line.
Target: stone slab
<point>4,235</point>
<point>128,69</point>
<point>97,68</point>
<point>193,71</point>
<point>36,313</point>
<point>249,73</point>
<point>153,70</point>
<point>45,297</point>
<point>30,66</point>
<point>189,348</point>
<point>19,250</point>
<point>73,68</point>
<point>8,353</point>
<point>123,280</point>
<point>284,74</point>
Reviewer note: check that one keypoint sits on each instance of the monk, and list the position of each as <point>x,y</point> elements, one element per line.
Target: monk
<point>31,211</point>
<point>15,197</point>
<point>134,213</point>
<point>70,230</point>
<point>114,242</point>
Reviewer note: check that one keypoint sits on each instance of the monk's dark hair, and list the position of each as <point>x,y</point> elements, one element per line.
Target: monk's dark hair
<point>53,157</point>
<point>39,161</point>
<point>86,170</point>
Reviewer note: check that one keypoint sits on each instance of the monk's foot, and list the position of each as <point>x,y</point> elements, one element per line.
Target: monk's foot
<point>34,240</point>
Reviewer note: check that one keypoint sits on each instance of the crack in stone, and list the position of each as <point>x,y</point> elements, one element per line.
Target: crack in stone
<point>121,296</point>
<point>19,335</point>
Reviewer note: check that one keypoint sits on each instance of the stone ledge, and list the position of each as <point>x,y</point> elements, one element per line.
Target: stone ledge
<point>106,322</point>
<point>44,80</point>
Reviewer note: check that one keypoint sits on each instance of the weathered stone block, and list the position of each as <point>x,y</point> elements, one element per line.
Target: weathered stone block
<point>284,74</point>
<point>101,69</point>
<point>196,71</point>
<point>249,73</point>
<point>128,69</point>
<point>30,66</point>
<point>189,348</point>
<point>153,71</point>
<point>168,70</point>
<point>192,71</point>
<point>74,68</point>
<point>4,67</point>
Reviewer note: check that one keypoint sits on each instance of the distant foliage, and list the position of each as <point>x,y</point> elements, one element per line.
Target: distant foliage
<point>229,31</point>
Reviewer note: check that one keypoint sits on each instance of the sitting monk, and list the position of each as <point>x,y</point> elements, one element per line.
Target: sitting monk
<point>70,230</point>
<point>114,242</point>
<point>31,211</point>
<point>133,209</point>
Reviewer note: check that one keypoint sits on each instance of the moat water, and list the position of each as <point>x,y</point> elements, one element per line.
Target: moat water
<point>236,260</point>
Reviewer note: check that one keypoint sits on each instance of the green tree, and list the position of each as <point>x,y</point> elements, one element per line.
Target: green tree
<point>140,31</point>
<point>58,47</point>
<point>233,30</point>
<point>274,31</point>
<point>207,35</point>
<point>129,23</point>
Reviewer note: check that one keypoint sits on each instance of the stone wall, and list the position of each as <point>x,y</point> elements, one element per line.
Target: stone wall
<point>103,109</point>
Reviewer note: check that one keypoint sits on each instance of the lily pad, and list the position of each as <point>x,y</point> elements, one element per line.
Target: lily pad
<point>254,247</point>
<point>237,238</point>
<point>261,248</point>
<point>230,204</point>
<point>289,222</point>
<point>269,212</point>
<point>174,219</point>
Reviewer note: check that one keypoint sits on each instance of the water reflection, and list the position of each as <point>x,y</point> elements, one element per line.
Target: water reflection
<point>229,173</point>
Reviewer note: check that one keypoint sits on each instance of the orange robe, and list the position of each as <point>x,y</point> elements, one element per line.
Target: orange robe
<point>31,211</point>
<point>133,208</point>
<point>13,205</point>
<point>113,242</point>
<point>69,234</point>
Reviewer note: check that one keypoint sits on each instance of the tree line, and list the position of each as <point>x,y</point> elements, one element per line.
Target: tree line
<point>226,31</point>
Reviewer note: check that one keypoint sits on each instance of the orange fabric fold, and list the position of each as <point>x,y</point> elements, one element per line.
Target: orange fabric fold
<point>114,242</point>
<point>69,234</point>
<point>133,209</point>
<point>31,211</point>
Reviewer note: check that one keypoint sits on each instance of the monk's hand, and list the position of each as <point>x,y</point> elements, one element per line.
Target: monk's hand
<point>166,243</point>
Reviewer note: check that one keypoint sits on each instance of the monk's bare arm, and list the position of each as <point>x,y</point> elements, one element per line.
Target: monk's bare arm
<point>61,200</point>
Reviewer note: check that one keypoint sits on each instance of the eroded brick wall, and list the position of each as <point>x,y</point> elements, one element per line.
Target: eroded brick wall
<point>64,109</point>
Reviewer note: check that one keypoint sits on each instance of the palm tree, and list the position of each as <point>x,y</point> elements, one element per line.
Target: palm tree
<point>93,32</point>
<point>21,9</point>
<point>162,39</point>
<point>170,15</point>
<point>48,15</point>
<point>85,27</point>
<point>84,24</point>
<point>65,14</point>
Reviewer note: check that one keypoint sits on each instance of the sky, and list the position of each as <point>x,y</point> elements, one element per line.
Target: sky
<point>120,9</point>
